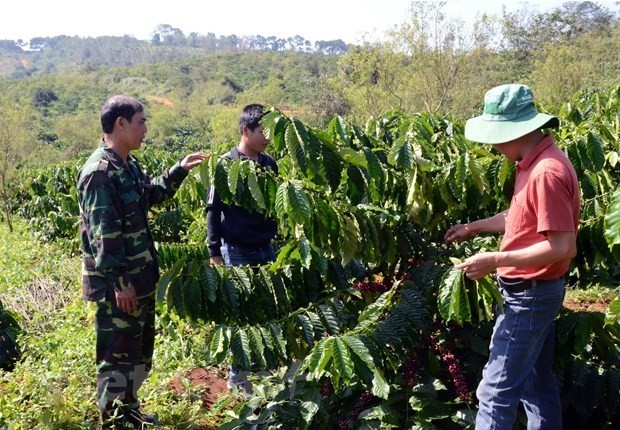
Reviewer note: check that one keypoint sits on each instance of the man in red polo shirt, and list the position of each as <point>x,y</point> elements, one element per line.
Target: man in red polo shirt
<point>539,241</point>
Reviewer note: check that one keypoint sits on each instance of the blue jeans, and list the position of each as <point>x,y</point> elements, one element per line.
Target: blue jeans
<point>520,366</point>
<point>234,255</point>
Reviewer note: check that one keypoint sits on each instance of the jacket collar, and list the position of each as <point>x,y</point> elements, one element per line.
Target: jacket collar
<point>235,154</point>
<point>115,159</point>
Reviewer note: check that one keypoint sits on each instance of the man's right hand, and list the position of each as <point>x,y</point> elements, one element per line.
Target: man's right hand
<point>459,232</point>
<point>193,160</point>
<point>126,300</point>
<point>217,260</point>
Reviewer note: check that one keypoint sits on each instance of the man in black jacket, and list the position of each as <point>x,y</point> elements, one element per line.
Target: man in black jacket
<point>236,236</point>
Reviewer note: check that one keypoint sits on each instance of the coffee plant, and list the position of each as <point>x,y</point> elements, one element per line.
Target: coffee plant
<point>363,309</point>
<point>362,321</point>
<point>46,198</point>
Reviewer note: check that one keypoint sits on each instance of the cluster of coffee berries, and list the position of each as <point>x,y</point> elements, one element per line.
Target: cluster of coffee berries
<point>378,286</point>
<point>444,349</point>
<point>365,399</point>
<point>327,389</point>
<point>456,371</point>
<point>408,369</point>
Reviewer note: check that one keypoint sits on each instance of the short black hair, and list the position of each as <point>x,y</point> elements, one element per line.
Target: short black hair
<point>251,116</point>
<point>118,106</point>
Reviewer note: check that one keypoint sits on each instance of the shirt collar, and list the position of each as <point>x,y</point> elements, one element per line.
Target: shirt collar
<point>260,155</point>
<point>535,152</point>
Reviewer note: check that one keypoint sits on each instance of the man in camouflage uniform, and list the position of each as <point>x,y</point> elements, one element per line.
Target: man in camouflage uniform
<point>120,269</point>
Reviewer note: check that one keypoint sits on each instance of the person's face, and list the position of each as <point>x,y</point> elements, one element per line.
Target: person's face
<point>511,150</point>
<point>135,131</point>
<point>255,139</point>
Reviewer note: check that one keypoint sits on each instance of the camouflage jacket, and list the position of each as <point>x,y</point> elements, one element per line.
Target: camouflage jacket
<point>117,246</point>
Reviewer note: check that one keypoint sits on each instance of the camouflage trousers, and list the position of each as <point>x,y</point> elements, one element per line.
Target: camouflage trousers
<point>124,353</point>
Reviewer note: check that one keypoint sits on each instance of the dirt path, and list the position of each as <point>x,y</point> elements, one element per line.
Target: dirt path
<point>161,100</point>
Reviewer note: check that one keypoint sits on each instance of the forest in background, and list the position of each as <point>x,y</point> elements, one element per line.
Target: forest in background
<point>195,85</point>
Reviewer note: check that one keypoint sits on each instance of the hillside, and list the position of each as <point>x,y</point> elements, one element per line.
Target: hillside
<point>47,55</point>
<point>194,85</point>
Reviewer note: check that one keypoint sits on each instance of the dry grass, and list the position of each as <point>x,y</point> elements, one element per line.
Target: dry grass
<point>38,300</point>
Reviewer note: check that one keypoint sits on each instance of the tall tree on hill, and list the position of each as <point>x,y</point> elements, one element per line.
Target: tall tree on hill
<point>430,62</point>
<point>527,31</point>
<point>15,136</point>
<point>165,34</point>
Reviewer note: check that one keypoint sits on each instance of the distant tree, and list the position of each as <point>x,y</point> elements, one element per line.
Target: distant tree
<point>254,43</point>
<point>15,141</point>
<point>431,62</point>
<point>165,34</point>
<point>527,30</point>
<point>559,74</point>
<point>331,47</point>
<point>228,43</point>
<point>224,131</point>
<point>561,70</point>
<point>366,80</point>
<point>194,40</point>
<point>299,44</point>
<point>561,50</point>
<point>44,97</point>
<point>274,44</point>
<point>46,136</point>
<point>38,43</point>
<point>80,131</point>
<point>10,46</point>
<point>213,93</point>
<point>210,43</point>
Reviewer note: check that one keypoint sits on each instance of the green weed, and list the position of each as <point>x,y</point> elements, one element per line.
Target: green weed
<point>53,386</point>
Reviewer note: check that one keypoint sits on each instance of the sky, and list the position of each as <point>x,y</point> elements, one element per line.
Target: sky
<point>350,20</point>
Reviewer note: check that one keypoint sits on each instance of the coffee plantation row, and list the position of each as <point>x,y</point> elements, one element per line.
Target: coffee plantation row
<point>363,322</point>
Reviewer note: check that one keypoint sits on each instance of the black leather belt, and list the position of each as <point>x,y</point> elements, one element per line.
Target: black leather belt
<point>516,285</point>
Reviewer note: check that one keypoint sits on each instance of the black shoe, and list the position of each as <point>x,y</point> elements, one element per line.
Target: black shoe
<point>131,419</point>
<point>116,424</point>
<point>139,420</point>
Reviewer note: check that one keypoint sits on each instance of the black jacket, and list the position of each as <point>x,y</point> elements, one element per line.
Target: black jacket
<point>235,225</point>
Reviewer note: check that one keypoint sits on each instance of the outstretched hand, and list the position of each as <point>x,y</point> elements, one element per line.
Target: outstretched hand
<point>479,265</point>
<point>193,160</point>
<point>458,232</point>
<point>216,260</point>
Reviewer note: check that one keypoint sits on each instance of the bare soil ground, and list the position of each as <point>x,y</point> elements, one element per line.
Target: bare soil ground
<point>208,381</point>
<point>593,305</point>
<point>161,100</point>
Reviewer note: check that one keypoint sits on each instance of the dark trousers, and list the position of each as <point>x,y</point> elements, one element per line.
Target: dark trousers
<point>124,353</point>
<point>235,255</point>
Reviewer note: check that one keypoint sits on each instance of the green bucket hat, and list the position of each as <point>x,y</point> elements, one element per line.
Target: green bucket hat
<point>509,113</point>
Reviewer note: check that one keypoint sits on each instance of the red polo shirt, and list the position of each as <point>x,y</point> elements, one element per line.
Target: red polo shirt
<point>546,198</point>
